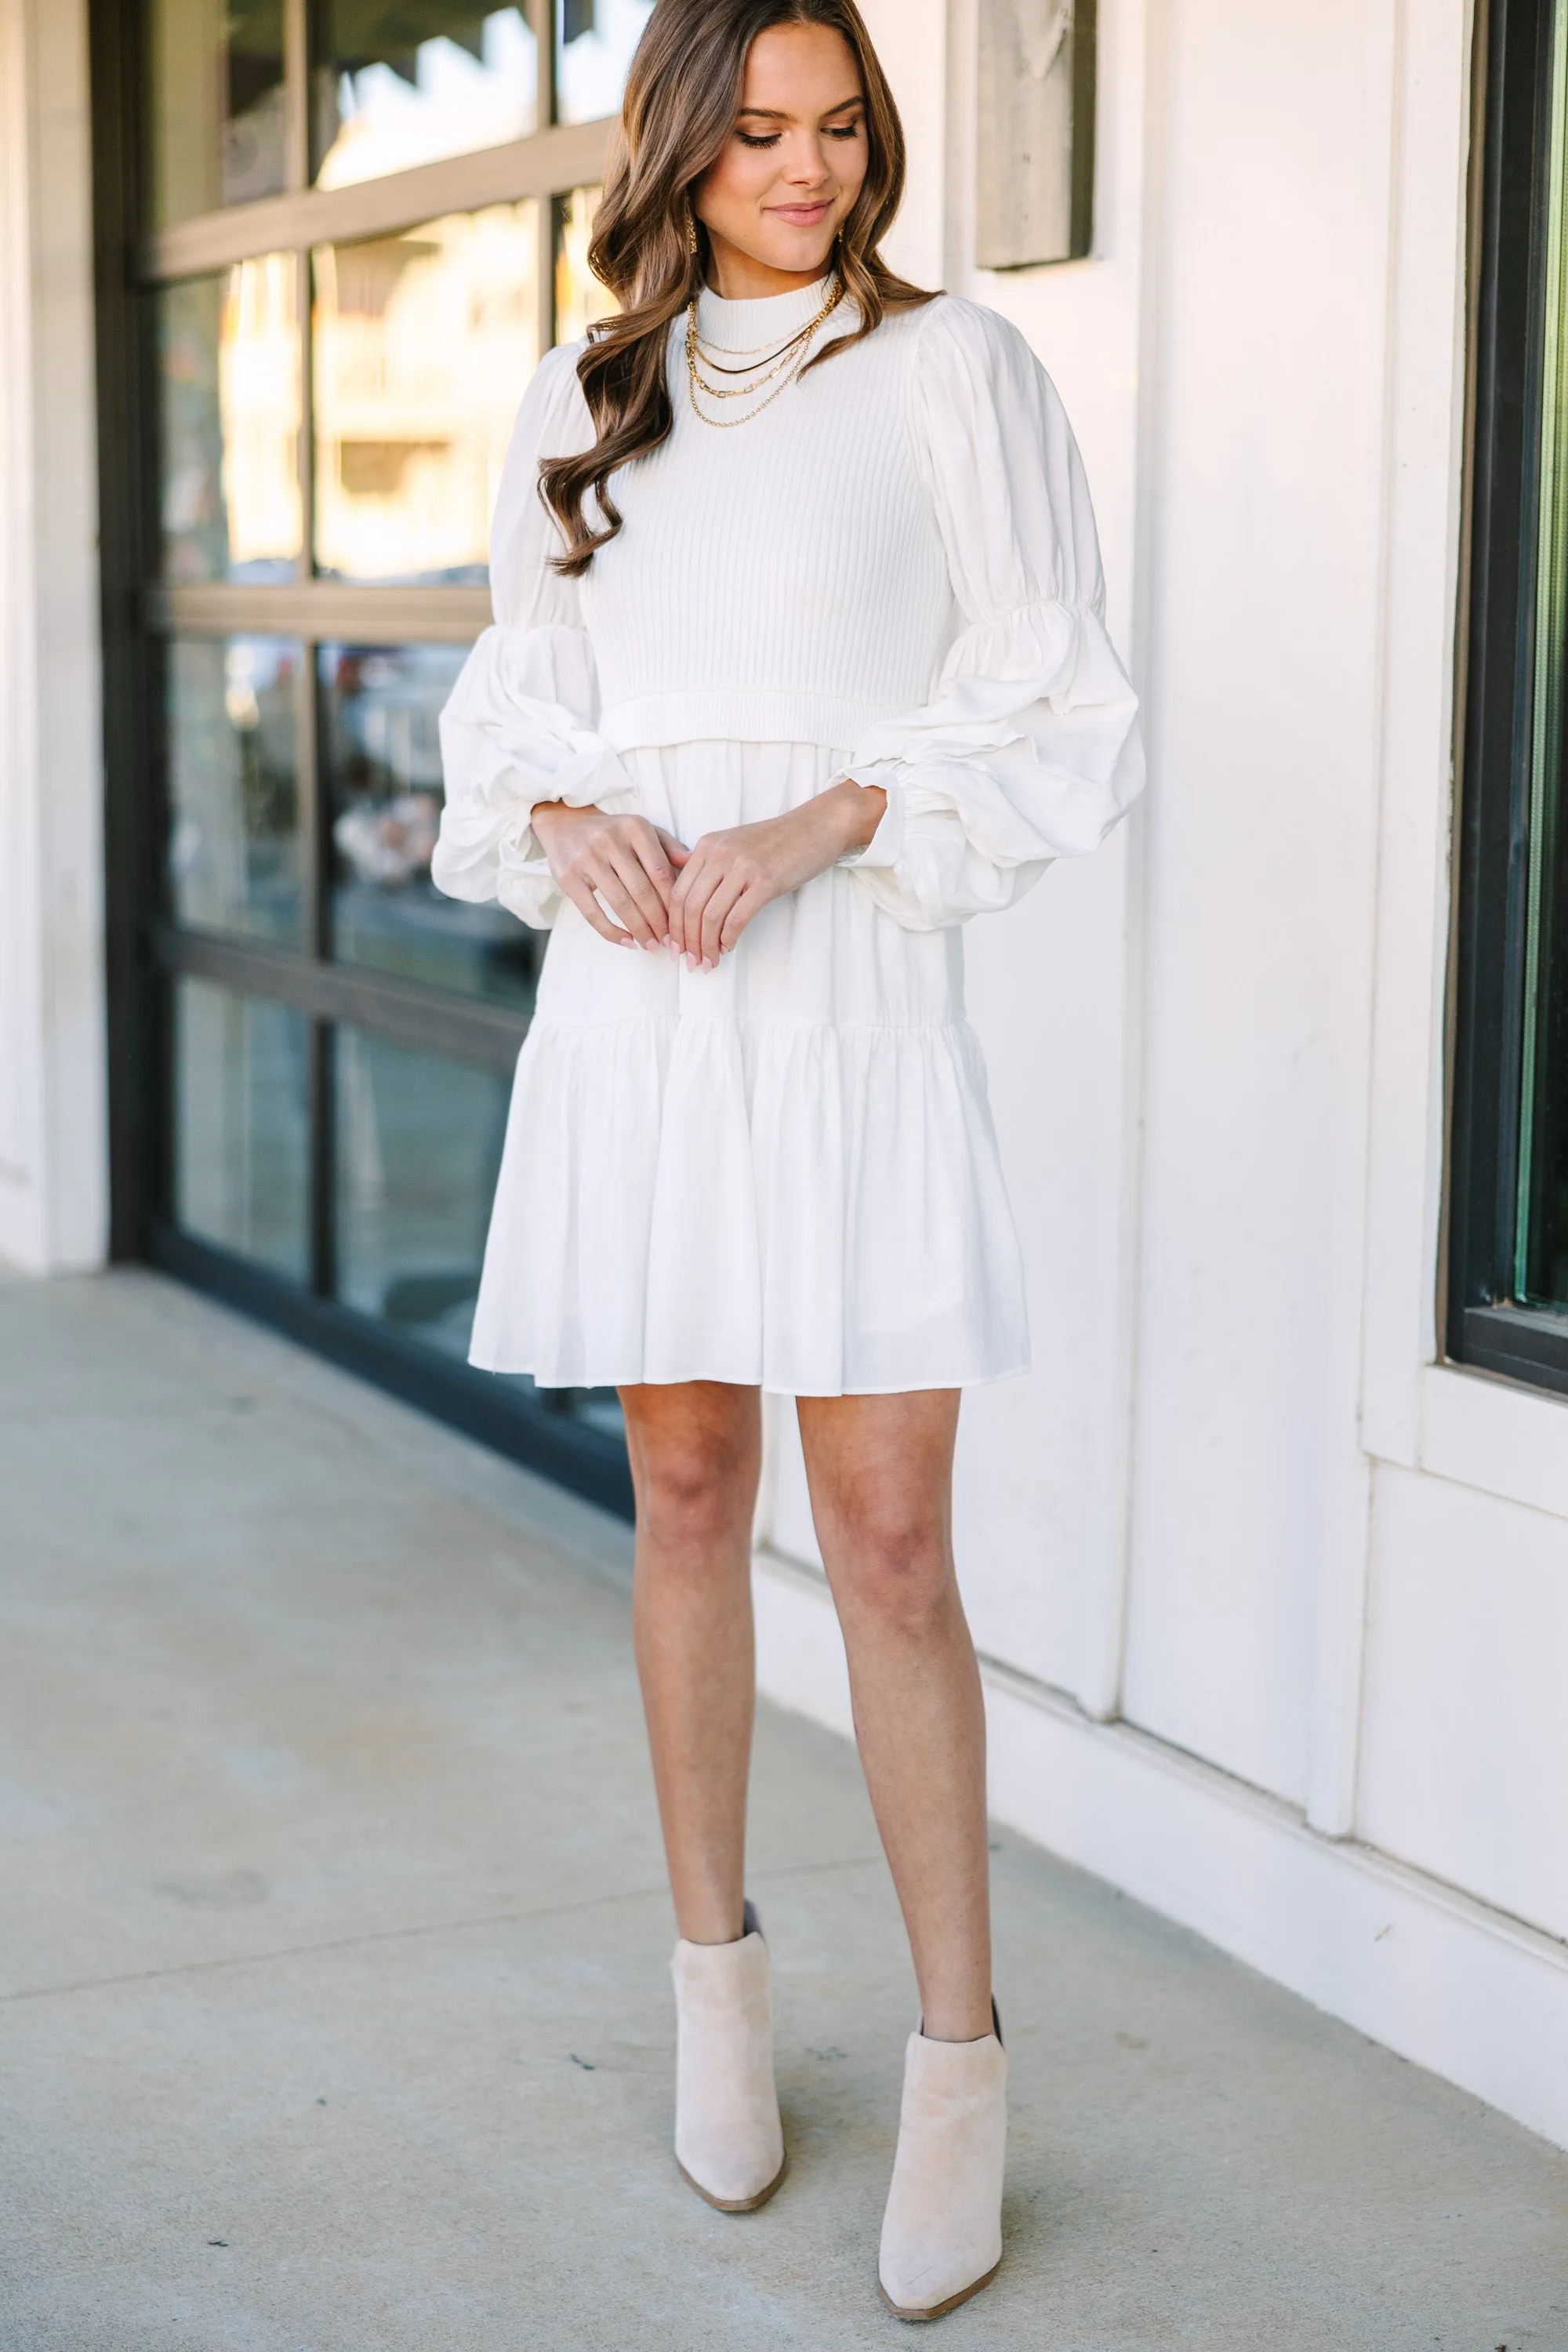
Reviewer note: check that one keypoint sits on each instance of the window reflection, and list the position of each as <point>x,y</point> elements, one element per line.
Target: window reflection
<point>229,415</point>
<point>418,1151</point>
<point>382,775</point>
<point>422,345</point>
<point>406,83</point>
<point>234,798</point>
<point>219,119</point>
<point>594,44</point>
<point>1541,1239</point>
<point>418,1145</point>
<point>580,296</point>
<point>242,1125</point>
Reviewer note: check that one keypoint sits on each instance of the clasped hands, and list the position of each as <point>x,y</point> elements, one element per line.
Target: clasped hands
<point>695,903</point>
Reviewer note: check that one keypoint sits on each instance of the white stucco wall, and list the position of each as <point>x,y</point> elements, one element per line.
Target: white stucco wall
<point>53,1153</point>
<point>1275,1605</point>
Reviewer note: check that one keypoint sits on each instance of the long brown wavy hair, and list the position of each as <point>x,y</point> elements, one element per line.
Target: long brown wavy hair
<point>683,93</point>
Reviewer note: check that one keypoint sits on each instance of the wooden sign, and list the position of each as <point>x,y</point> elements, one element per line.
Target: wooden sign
<point>1035,144</point>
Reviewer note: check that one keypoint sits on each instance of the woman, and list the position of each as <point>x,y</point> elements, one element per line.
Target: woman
<point>798,661</point>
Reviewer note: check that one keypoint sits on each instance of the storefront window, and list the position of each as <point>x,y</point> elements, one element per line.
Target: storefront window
<point>419,1140</point>
<point>382,768</point>
<point>230,415</point>
<point>580,298</point>
<point>594,44</point>
<point>231,717</point>
<point>1507,1289</point>
<point>242,1157</point>
<point>422,345</point>
<point>334,352</point>
<point>219,106</point>
<point>395,86</point>
<point>1542,1240</point>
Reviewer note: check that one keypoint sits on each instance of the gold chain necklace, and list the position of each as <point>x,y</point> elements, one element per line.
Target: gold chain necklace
<point>707,354</point>
<point>796,348</point>
<point>743,351</point>
<point>738,351</point>
<point>741,391</point>
<point>772,359</point>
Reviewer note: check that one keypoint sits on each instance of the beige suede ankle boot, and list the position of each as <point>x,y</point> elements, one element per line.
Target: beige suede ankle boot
<point>728,2139</point>
<point>941,2233</point>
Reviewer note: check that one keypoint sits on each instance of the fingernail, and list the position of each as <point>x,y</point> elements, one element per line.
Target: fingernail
<point>691,964</point>
<point>709,967</point>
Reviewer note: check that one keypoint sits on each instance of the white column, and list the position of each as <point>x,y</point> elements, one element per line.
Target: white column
<point>53,1125</point>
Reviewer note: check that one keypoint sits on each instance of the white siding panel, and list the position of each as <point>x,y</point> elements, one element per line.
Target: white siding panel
<point>1265,593</point>
<point>1036,1490</point>
<point>1464,1739</point>
<point>1040,1497</point>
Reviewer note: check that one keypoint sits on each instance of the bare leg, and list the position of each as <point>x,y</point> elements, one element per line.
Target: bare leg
<point>880,1470</point>
<point>696,1449</point>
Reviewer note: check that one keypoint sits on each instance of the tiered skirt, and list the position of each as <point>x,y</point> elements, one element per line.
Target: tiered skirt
<point>783,1173</point>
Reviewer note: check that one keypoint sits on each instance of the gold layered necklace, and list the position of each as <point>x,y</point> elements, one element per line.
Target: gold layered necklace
<point>763,365</point>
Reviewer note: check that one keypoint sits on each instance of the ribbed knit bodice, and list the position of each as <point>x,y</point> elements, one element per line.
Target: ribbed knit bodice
<point>891,566</point>
<point>782,580</point>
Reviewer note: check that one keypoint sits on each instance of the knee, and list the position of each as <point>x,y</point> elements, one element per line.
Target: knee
<point>895,1567</point>
<point>692,1494</point>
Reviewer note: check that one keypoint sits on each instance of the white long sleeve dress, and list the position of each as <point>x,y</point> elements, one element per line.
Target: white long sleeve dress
<point>783,1172</point>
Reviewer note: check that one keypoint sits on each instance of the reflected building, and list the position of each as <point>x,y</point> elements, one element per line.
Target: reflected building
<point>421,344</point>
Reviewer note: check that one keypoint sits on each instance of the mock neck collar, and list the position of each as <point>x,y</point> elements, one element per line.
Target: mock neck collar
<point>742,326</point>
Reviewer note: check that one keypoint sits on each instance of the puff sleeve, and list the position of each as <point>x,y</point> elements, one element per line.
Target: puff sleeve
<point>521,725</point>
<point>1029,750</point>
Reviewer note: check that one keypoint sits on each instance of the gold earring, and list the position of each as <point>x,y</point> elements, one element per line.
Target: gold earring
<point>691,232</point>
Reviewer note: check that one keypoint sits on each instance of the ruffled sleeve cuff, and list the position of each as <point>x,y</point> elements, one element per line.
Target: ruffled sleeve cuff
<point>886,845</point>
<point>1028,751</point>
<point>519,730</point>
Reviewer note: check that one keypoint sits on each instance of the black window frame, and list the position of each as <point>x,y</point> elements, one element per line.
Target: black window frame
<point>1484,1324</point>
<point>146,951</point>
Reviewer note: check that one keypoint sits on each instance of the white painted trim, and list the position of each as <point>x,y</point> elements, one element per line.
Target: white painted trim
<point>1427,484</point>
<point>1339,1628</point>
<point>1339,1662</point>
<point>962,60</point>
<point>1401,1149</point>
<point>53,1088</point>
<point>1495,1434</point>
<point>21,1011</point>
<point>1431,1973</point>
<point>1139,33</point>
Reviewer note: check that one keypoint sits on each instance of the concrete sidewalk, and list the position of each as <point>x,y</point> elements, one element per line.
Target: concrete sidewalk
<point>336,2015</point>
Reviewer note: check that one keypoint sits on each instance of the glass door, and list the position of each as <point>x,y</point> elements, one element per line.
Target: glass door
<point>1506,1209</point>
<point>354,226</point>
<point>1541,1233</point>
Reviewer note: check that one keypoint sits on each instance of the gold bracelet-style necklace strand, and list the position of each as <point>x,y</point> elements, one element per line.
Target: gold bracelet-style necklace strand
<point>764,356</point>
<point>727,424</point>
<point>745,351</point>
<point>705,356</point>
<point>770,360</point>
<point>797,349</point>
<point>741,390</point>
